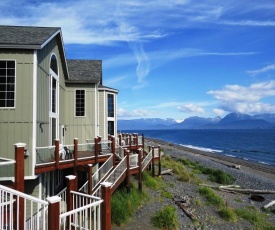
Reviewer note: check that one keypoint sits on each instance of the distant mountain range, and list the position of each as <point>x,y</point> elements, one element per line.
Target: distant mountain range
<point>230,121</point>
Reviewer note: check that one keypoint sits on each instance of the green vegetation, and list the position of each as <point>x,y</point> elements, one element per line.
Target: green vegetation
<point>255,217</point>
<point>124,204</point>
<point>151,182</point>
<point>211,196</point>
<point>178,168</point>
<point>166,218</point>
<point>166,194</point>
<point>215,175</point>
<point>228,214</point>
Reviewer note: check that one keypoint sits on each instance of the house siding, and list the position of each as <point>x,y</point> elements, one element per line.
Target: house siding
<point>16,123</point>
<point>81,127</point>
<point>102,114</point>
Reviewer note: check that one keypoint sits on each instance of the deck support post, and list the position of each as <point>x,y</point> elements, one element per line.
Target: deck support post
<point>19,183</point>
<point>99,145</point>
<point>56,153</point>
<point>106,206</point>
<point>75,158</point>
<point>53,212</point>
<point>140,170</point>
<point>90,181</point>
<point>127,152</point>
<point>153,161</point>
<point>113,144</point>
<point>159,171</point>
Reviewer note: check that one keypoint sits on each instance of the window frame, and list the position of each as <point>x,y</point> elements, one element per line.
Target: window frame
<point>111,111</point>
<point>6,99</point>
<point>75,103</point>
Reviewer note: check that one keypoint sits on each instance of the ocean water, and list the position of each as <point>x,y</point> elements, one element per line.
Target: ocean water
<point>251,145</point>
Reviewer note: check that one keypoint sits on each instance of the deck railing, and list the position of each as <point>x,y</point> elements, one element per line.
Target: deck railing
<point>119,151</point>
<point>86,213</point>
<point>63,204</point>
<point>146,160</point>
<point>35,210</point>
<point>99,174</point>
<point>133,160</point>
<point>45,154</point>
<point>114,176</point>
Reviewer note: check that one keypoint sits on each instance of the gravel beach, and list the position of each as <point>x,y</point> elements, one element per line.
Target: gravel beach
<point>248,176</point>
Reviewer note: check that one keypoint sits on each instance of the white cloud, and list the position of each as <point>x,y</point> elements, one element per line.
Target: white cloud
<point>190,108</point>
<point>235,98</point>
<point>262,70</point>
<point>219,112</point>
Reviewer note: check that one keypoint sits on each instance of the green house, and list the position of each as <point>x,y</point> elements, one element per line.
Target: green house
<point>44,97</point>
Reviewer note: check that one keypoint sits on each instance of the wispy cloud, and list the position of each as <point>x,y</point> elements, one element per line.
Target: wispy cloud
<point>262,70</point>
<point>123,113</point>
<point>249,23</point>
<point>236,98</point>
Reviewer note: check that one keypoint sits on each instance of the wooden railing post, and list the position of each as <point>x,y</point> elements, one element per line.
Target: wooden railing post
<point>119,138</point>
<point>159,172</point>
<point>19,183</point>
<point>153,162</point>
<point>99,145</point>
<point>96,149</point>
<point>128,175</point>
<point>106,206</point>
<point>53,213</point>
<point>90,181</point>
<point>143,141</point>
<point>71,186</point>
<point>114,149</point>
<point>75,158</point>
<point>56,153</point>
<point>140,169</point>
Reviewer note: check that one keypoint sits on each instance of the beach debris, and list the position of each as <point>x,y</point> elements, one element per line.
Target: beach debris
<point>270,204</point>
<point>236,188</point>
<point>257,198</point>
<point>236,167</point>
<point>184,204</point>
<point>167,172</point>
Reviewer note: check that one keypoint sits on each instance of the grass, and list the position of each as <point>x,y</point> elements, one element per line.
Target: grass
<point>215,175</point>
<point>211,197</point>
<point>124,204</point>
<point>166,218</point>
<point>255,217</point>
<point>228,214</point>
<point>151,182</point>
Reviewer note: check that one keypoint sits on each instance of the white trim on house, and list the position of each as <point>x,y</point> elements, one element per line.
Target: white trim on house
<point>50,38</point>
<point>34,112</point>
<point>97,111</point>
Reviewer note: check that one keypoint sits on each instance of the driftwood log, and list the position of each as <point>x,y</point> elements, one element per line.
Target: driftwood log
<point>184,205</point>
<point>236,188</point>
<point>269,205</point>
<point>167,172</point>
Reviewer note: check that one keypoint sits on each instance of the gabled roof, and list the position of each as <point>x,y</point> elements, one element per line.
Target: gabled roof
<point>26,37</point>
<point>84,71</point>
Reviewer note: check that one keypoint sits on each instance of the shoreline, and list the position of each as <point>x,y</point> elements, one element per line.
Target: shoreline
<point>263,171</point>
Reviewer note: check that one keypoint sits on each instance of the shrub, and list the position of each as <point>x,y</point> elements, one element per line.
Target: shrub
<point>228,214</point>
<point>166,218</point>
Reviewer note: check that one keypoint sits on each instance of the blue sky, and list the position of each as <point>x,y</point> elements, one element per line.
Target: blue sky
<point>168,58</point>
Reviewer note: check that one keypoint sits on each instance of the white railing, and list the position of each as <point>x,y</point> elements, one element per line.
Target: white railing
<point>133,160</point>
<point>35,210</point>
<point>140,142</point>
<point>86,213</point>
<point>99,174</point>
<point>63,204</point>
<point>146,160</point>
<point>91,144</point>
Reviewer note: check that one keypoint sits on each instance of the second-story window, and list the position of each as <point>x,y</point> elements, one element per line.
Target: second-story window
<point>111,107</point>
<point>79,103</point>
<point>7,84</point>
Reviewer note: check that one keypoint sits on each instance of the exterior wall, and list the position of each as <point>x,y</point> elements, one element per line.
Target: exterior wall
<point>16,123</point>
<point>81,127</point>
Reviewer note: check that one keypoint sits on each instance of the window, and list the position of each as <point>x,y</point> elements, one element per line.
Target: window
<point>111,112</point>
<point>111,128</point>
<point>80,103</point>
<point>7,84</point>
